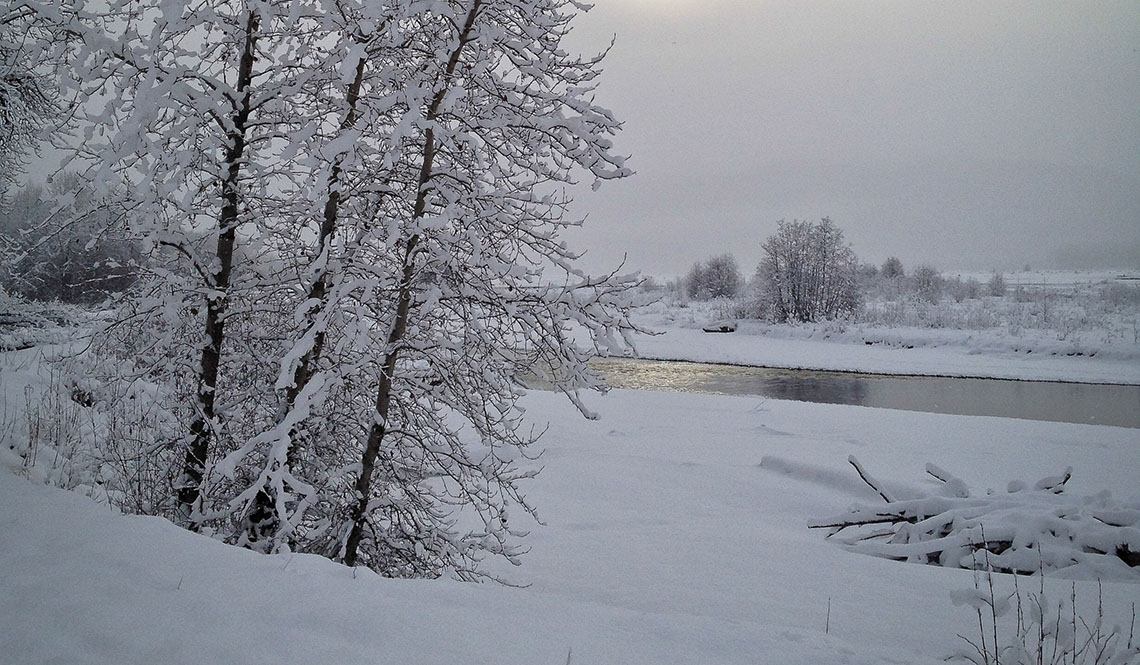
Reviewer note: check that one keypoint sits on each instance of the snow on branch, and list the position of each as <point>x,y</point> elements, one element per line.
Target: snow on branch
<point>1023,530</point>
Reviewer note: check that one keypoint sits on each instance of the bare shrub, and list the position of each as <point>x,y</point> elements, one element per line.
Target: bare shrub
<point>808,273</point>
<point>74,432</point>
<point>928,283</point>
<point>996,285</point>
<point>718,277</point>
<point>1044,631</point>
<point>969,289</point>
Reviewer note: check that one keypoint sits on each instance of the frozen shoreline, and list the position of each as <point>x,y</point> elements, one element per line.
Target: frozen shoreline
<point>902,352</point>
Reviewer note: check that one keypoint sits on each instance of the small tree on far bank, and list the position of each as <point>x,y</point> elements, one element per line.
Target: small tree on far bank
<point>892,268</point>
<point>718,277</point>
<point>808,273</point>
<point>997,285</point>
<point>928,283</point>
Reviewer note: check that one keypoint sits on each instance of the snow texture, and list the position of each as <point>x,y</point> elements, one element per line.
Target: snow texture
<point>1023,530</point>
<point>674,531</point>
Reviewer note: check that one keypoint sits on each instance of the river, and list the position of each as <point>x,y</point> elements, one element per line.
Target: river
<point>1085,403</point>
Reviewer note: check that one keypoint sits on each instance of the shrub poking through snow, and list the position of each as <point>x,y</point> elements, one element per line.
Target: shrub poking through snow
<point>1024,530</point>
<point>1035,628</point>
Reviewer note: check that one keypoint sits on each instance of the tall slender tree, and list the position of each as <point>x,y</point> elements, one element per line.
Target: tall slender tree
<point>504,117</point>
<point>374,50</point>
<point>193,97</point>
<point>358,216</point>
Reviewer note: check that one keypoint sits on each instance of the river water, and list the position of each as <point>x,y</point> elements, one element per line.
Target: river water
<point>1034,400</point>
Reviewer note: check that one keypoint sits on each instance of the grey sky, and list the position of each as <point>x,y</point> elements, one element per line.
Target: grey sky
<point>968,135</point>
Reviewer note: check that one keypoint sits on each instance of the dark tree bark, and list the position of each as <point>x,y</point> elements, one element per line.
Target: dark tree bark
<point>379,427</point>
<point>262,522</point>
<point>201,429</point>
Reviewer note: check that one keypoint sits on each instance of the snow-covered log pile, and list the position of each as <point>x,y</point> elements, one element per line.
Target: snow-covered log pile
<point>1026,529</point>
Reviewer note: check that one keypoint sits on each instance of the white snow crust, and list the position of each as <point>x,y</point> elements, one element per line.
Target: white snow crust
<point>909,351</point>
<point>675,532</point>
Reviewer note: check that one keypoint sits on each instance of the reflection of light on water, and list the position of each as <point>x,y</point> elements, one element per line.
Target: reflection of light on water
<point>1077,403</point>
<point>679,376</point>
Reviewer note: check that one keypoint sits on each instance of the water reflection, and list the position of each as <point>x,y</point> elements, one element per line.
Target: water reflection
<point>1035,400</point>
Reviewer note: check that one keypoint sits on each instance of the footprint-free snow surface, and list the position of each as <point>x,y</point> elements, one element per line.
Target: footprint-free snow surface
<point>675,532</point>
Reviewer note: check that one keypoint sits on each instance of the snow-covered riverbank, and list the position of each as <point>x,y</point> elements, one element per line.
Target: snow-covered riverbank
<point>888,351</point>
<point>1109,357</point>
<point>675,532</point>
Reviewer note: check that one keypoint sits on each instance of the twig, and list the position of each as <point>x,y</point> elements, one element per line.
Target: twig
<point>889,518</point>
<point>993,598</point>
<point>937,473</point>
<point>1132,626</point>
<point>870,482</point>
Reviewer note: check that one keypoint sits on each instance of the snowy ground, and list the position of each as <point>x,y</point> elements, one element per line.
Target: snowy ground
<point>675,532</point>
<point>1066,328</point>
<point>885,351</point>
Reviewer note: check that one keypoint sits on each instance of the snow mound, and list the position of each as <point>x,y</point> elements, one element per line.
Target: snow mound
<point>1025,530</point>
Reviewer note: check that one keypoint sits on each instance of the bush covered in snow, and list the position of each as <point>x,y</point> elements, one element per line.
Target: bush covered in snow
<point>1025,529</point>
<point>808,273</point>
<point>718,277</point>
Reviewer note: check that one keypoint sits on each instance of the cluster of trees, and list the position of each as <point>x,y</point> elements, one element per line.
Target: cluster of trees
<point>809,273</point>
<point>927,283</point>
<point>349,219</point>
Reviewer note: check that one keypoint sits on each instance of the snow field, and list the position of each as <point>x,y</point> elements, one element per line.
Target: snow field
<point>1051,326</point>
<point>675,532</point>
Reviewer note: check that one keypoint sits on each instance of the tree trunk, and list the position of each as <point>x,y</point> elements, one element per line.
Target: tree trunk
<point>262,521</point>
<point>379,426</point>
<point>201,429</point>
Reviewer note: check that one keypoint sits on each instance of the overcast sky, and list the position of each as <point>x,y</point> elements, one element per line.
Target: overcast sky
<point>967,135</point>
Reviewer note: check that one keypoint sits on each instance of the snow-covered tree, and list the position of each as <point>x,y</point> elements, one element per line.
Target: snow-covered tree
<point>893,268</point>
<point>502,117</point>
<point>356,214</point>
<point>30,42</point>
<point>187,111</point>
<point>808,273</point>
<point>718,277</point>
